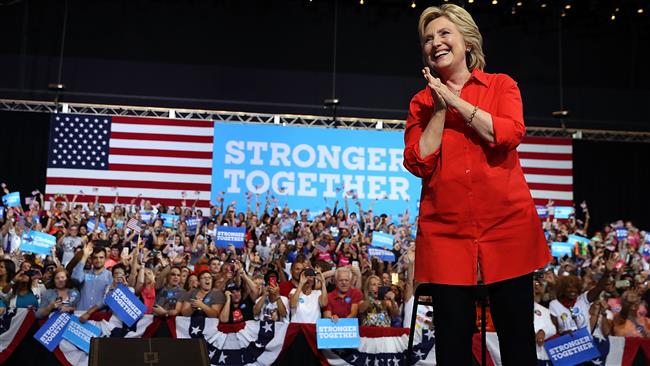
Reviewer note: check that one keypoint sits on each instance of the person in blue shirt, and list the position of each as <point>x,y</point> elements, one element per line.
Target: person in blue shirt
<point>61,297</point>
<point>93,282</point>
<point>23,295</point>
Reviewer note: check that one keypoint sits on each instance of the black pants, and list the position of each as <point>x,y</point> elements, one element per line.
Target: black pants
<point>511,306</point>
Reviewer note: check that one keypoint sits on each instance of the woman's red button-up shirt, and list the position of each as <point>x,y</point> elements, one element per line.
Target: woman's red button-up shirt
<point>475,206</point>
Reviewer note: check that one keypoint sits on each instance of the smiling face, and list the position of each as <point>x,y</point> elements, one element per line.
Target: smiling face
<point>60,280</point>
<point>443,47</point>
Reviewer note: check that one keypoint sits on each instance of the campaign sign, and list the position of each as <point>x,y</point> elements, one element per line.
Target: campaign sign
<point>571,349</point>
<point>383,254</point>
<point>382,240</point>
<point>560,249</point>
<point>542,211</point>
<point>51,333</point>
<point>191,225</point>
<point>580,239</point>
<point>2,211</point>
<point>563,212</point>
<point>227,235</point>
<point>37,242</point>
<point>647,238</point>
<point>342,334</point>
<point>11,199</point>
<point>79,334</point>
<point>125,305</point>
<point>621,234</point>
<point>169,220</point>
<point>91,225</point>
<point>146,216</point>
<point>304,165</point>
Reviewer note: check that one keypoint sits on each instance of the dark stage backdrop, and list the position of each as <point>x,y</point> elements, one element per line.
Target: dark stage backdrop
<point>612,177</point>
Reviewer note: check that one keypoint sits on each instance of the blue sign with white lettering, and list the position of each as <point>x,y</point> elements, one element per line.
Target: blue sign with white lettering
<point>191,224</point>
<point>80,334</point>
<point>560,249</point>
<point>2,211</point>
<point>579,239</point>
<point>342,334</point>
<point>304,166</point>
<point>146,216</point>
<point>572,349</point>
<point>37,242</point>
<point>647,238</point>
<point>125,305</point>
<point>382,240</point>
<point>227,235</point>
<point>91,225</point>
<point>169,220</point>
<point>563,212</point>
<point>621,234</point>
<point>542,211</point>
<point>11,199</point>
<point>51,333</point>
<point>383,254</point>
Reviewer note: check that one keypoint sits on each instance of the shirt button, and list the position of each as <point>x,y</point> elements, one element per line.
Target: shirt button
<point>467,171</point>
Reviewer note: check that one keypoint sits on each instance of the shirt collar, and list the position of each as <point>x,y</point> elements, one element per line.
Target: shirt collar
<point>479,76</point>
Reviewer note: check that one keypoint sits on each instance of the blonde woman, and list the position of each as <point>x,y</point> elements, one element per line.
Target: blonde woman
<point>378,306</point>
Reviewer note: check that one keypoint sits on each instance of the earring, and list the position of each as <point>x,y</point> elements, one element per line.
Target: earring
<point>468,50</point>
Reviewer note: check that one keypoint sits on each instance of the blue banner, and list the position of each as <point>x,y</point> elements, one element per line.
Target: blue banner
<point>170,220</point>
<point>51,333</point>
<point>37,242</point>
<point>125,305</point>
<point>2,211</point>
<point>382,240</point>
<point>80,334</point>
<point>580,239</point>
<point>91,225</point>
<point>146,216</point>
<point>563,212</point>
<point>342,334</point>
<point>227,235</point>
<point>542,211</point>
<point>305,166</point>
<point>572,349</point>
<point>560,249</point>
<point>191,224</point>
<point>621,234</point>
<point>11,199</point>
<point>383,254</point>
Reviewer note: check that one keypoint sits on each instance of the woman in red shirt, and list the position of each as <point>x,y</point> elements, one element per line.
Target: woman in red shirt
<point>477,218</point>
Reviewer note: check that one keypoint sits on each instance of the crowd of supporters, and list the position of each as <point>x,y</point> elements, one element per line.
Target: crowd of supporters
<point>295,266</point>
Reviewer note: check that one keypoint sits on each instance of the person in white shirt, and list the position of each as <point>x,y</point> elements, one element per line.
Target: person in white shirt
<point>544,329</point>
<point>306,303</point>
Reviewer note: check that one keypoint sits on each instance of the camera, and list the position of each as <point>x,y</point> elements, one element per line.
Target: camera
<point>309,272</point>
<point>381,293</point>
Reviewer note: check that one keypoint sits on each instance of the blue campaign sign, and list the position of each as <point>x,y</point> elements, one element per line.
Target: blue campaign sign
<point>37,242</point>
<point>304,165</point>
<point>91,225</point>
<point>382,240</point>
<point>560,249</point>
<point>580,239</point>
<point>146,216</point>
<point>191,224</point>
<point>11,199</point>
<point>563,212</point>
<point>227,235</point>
<point>647,238</point>
<point>342,334</point>
<point>80,334</point>
<point>572,349</point>
<point>383,254</point>
<point>170,220</point>
<point>125,305</point>
<point>51,333</point>
<point>621,234</point>
<point>2,211</point>
<point>542,211</point>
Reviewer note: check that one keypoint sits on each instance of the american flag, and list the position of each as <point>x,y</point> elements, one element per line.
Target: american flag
<point>548,167</point>
<point>160,159</point>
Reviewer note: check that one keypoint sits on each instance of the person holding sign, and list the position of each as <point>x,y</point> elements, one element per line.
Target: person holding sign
<point>477,219</point>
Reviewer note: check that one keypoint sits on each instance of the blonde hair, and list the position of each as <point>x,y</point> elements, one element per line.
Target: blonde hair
<point>475,58</point>
<point>366,285</point>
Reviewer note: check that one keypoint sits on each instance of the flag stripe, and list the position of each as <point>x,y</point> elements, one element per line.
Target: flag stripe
<point>544,201</point>
<point>128,175</point>
<point>127,192</point>
<point>555,195</point>
<point>544,156</point>
<point>542,148</point>
<point>153,160</point>
<point>162,169</point>
<point>553,164</point>
<point>552,179</point>
<point>169,153</point>
<point>161,145</point>
<point>546,140</point>
<point>144,137</point>
<point>551,187</point>
<point>164,121</point>
<point>161,130</point>
<point>129,184</point>
<point>548,171</point>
